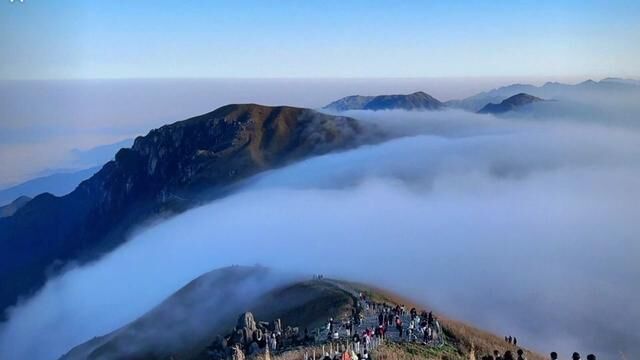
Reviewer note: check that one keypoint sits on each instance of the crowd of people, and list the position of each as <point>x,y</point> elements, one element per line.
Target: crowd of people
<point>353,338</point>
<point>575,356</point>
<point>508,355</point>
<point>421,326</point>
<point>511,340</point>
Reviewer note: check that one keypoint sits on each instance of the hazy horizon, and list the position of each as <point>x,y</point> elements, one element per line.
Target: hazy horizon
<point>80,114</point>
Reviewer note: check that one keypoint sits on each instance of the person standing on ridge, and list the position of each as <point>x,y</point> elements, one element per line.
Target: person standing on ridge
<point>521,355</point>
<point>356,342</point>
<point>554,356</point>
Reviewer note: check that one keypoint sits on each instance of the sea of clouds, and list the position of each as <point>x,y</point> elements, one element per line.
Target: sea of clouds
<point>522,227</point>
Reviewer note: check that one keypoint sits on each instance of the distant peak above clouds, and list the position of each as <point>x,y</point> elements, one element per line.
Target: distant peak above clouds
<point>550,90</point>
<point>415,101</point>
<point>509,104</point>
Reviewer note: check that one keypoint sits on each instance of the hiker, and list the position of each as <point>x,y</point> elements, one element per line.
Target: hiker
<point>430,318</point>
<point>326,356</point>
<point>412,326</point>
<point>365,355</point>
<point>378,332</point>
<point>515,341</point>
<point>521,355</point>
<point>367,341</point>
<point>399,326</point>
<point>356,342</point>
<point>506,339</point>
<point>336,335</point>
<point>508,356</point>
<point>575,356</point>
<point>496,355</point>
<point>414,313</point>
<point>554,356</point>
<point>510,339</point>
<point>346,356</point>
<point>380,318</point>
<point>273,342</point>
<point>591,357</point>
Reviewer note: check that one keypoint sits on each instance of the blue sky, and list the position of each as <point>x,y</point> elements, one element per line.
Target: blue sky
<point>64,39</point>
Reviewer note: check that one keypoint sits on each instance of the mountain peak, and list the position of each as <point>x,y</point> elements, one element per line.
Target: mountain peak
<point>166,171</point>
<point>509,104</point>
<point>418,100</point>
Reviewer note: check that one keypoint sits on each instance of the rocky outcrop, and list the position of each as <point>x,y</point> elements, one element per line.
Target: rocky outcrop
<point>169,170</point>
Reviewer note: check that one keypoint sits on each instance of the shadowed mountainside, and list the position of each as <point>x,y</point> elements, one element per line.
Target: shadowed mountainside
<point>187,321</point>
<point>169,170</point>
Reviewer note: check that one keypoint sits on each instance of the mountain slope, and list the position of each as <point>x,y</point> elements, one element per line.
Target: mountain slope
<point>509,104</point>
<point>167,171</point>
<point>189,320</point>
<point>416,101</point>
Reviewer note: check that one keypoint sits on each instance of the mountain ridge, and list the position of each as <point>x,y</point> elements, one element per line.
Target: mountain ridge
<point>299,302</point>
<point>510,104</point>
<point>161,174</point>
<point>415,101</point>
<point>549,90</point>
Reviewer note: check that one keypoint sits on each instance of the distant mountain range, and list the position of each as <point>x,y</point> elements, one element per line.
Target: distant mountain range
<point>421,101</point>
<point>550,90</point>
<point>416,101</point>
<point>509,104</point>
<point>61,182</point>
<point>167,171</point>
<point>56,184</point>
<point>10,209</point>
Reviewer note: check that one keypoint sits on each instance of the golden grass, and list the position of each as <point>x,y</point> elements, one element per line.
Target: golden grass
<point>465,338</point>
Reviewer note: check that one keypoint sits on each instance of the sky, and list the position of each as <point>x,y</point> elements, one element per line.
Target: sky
<point>67,39</point>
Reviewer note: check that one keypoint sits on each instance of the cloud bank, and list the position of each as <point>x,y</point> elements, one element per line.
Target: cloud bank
<point>520,227</point>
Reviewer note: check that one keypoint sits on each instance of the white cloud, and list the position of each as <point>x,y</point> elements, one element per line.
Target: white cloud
<point>519,227</point>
